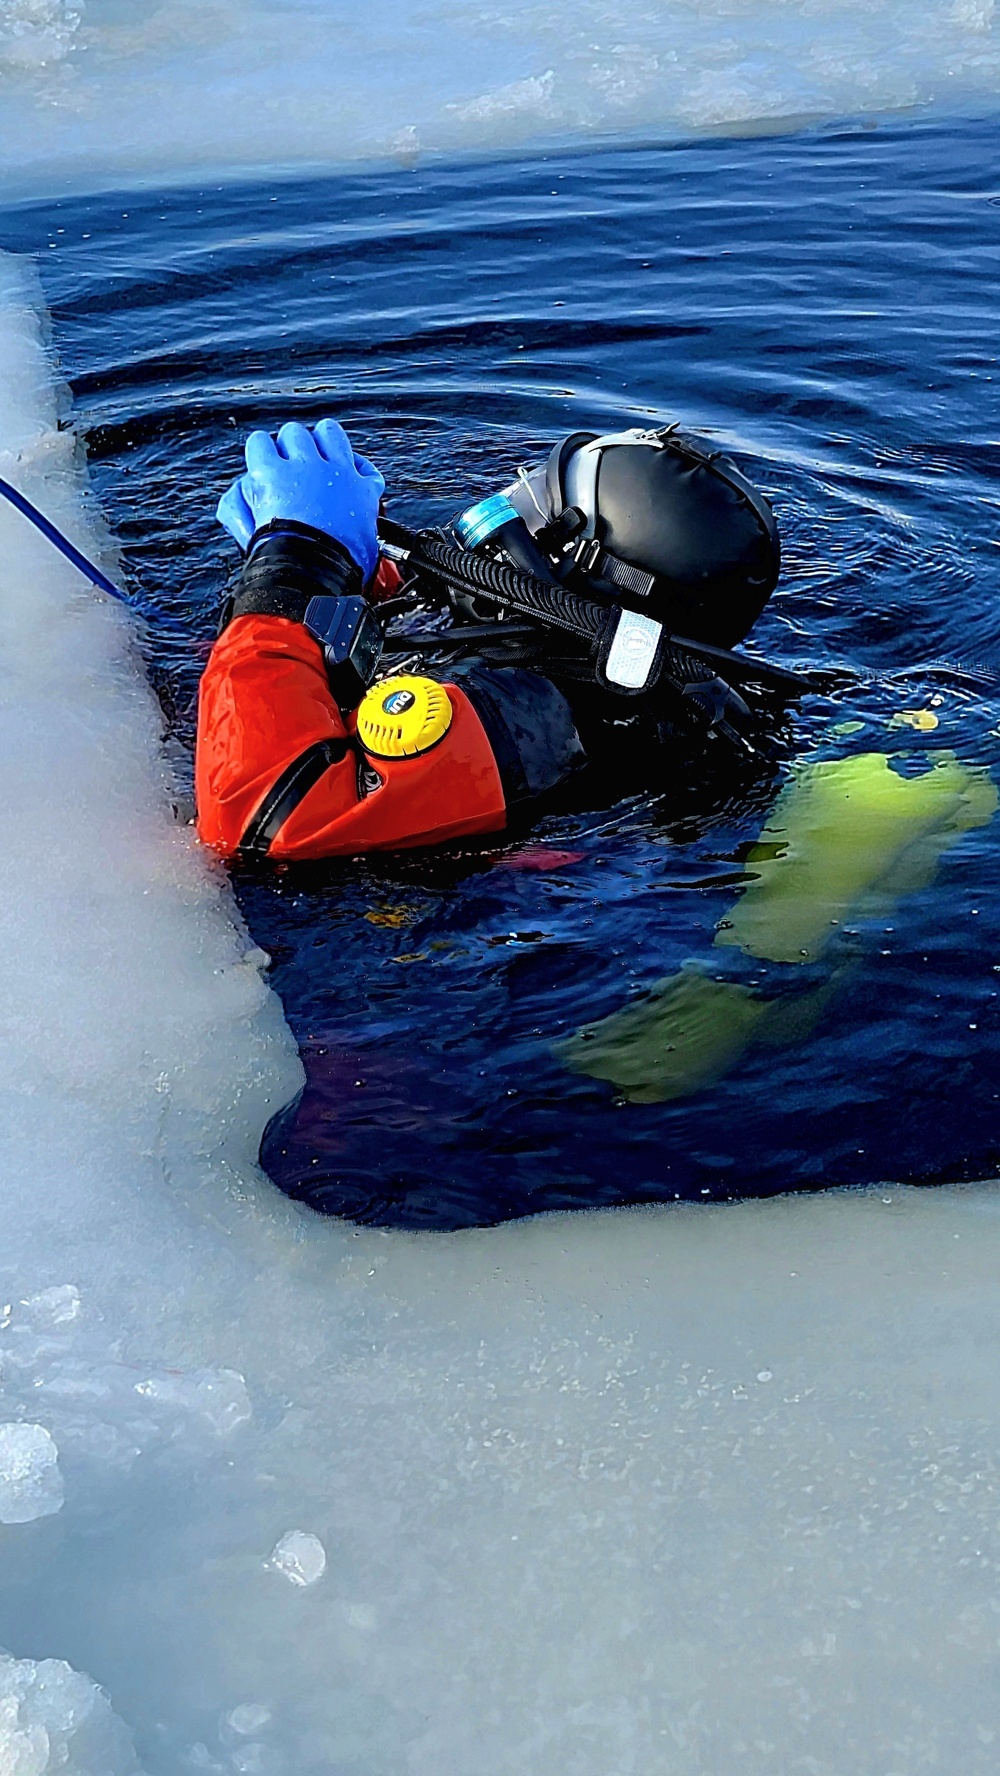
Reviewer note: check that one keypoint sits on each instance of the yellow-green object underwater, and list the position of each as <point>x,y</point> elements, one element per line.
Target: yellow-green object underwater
<point>847,838</point>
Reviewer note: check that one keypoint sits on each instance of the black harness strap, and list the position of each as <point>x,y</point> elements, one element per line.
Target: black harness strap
<point>596,560</point>
<point>285,795</point>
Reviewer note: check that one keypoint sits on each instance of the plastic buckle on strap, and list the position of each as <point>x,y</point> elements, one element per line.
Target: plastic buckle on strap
<point>593,558</point>
<point>587,553</point>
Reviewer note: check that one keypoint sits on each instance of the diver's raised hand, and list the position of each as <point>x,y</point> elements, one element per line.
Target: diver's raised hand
<point>311,478</point>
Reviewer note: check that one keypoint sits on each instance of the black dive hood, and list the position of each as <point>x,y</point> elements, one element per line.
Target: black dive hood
<point>657,522</point>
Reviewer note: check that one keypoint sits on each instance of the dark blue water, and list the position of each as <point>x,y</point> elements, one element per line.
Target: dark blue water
<point>826,306</point>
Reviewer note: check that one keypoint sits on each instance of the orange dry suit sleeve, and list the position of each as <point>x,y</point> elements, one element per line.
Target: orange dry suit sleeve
<point>280,771</point>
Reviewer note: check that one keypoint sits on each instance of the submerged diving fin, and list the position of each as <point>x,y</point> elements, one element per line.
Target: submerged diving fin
<point>847,838</point>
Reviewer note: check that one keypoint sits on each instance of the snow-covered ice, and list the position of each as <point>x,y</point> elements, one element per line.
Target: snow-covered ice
<point>96,91</point>
<point>658,1491</point>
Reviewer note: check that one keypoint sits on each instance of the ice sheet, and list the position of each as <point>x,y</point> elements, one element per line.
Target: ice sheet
<point>100,91</point>
<point>670,1491</point>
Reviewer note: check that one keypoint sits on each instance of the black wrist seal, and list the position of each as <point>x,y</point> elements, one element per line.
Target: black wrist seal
<point>286,565</point>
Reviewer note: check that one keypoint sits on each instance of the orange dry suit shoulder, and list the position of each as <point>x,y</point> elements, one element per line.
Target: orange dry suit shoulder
<point>283,771</point>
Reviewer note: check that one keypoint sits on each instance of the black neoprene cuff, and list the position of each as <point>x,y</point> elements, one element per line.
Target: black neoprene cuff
<point>286,565</point>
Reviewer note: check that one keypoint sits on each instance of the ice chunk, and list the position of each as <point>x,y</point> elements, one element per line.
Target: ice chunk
<point>301,1557</point>
<point>198,1757</point>
<point>51,1307</point>
<point>250,1759</point>
<point>247,1719</point>
<point>53,1718</point>
<point>219,1398</point>
<point>31,1485</point>
<point>24,1751</point>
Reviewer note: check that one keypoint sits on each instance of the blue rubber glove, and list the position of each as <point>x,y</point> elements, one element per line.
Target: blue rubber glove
<point>311,478</point>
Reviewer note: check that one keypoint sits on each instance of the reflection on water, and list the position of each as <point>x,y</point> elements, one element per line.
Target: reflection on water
<point>614,1006</point>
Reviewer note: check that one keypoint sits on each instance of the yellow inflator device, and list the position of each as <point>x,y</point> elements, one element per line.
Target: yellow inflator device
<point>403,716</point>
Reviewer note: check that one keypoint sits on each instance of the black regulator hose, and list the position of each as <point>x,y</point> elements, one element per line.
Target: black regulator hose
<point>558,608</point>
<point>507,586</point>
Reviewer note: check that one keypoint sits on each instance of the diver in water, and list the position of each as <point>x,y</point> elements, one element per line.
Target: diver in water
<point>301,754</point>
<point>613,547</point>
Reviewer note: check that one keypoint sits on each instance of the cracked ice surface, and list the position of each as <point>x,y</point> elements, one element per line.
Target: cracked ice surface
<point>664,1491</point>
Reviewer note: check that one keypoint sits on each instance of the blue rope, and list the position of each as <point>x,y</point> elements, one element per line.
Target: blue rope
<point>62,543</point>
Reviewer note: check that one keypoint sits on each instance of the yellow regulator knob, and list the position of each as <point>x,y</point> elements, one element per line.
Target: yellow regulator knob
<point>403,716</point>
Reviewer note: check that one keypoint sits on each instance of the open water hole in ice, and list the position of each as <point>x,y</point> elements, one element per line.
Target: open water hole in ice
<point>819,304</point>
<point>681,1490</point>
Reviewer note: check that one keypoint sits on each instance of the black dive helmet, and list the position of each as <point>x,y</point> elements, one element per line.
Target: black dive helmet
<point>655,521</point>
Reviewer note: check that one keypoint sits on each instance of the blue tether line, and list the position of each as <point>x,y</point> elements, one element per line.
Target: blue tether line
<point>62,543</point>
